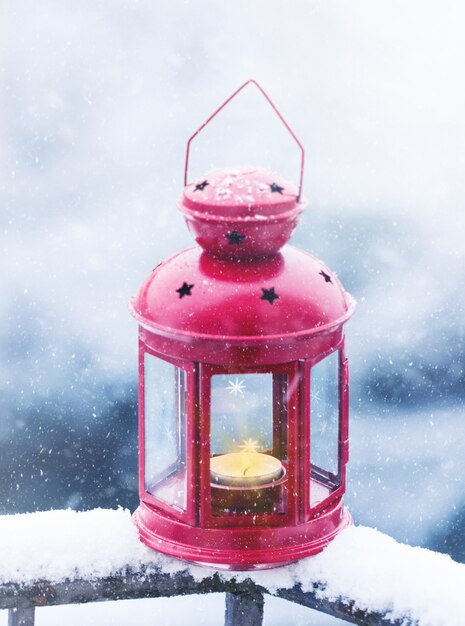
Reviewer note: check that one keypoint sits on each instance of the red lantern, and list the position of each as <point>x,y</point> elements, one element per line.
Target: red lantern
<point>243,381</point>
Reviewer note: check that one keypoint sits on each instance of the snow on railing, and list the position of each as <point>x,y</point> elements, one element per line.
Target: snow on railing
<point>363,576</point>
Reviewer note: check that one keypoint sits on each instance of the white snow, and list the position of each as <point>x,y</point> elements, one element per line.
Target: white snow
<point>55,545</point>
<point>223,193</point>
<point>361,564</point>
<point>318,492</point>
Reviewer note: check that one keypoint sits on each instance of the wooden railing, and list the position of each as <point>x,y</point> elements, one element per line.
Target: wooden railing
<point>363,576</point>
<point>244,600</point>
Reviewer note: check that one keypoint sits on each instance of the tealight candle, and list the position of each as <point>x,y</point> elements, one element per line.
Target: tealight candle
<point>247,468</point>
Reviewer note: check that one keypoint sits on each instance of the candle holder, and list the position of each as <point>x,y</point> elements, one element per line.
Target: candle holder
<point>243,380</point>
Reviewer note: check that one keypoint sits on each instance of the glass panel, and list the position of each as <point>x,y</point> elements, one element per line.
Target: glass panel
<point>245,465</point>
<point>165,431</point>
<point>324,430</point>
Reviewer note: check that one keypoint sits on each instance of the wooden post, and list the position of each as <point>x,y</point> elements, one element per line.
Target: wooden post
<point>21,617</point>
<point>244,609</point>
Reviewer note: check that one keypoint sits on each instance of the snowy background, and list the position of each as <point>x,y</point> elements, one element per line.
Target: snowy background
<point>97,100</point>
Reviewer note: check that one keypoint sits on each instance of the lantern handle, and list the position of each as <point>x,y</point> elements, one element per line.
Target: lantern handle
<point>215,113</point>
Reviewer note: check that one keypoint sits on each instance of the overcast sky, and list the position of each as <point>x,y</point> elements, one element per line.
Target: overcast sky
<point>98,99</point>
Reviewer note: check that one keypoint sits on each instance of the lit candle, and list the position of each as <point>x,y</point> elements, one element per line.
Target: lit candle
<point>247,468</point>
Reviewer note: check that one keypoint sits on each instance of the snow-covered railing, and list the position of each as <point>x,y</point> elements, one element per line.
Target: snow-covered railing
<point>363,576</point>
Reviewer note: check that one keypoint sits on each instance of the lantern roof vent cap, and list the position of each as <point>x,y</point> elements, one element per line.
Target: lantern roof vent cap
<point>241,211</point>
<point>241,194</point>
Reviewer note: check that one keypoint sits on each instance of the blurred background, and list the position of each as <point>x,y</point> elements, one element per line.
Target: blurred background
<point>97,101</point>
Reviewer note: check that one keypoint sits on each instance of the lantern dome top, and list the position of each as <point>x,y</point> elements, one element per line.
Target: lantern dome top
<point>242,296</point>
<point>195,297</point>
<point>241,212</point>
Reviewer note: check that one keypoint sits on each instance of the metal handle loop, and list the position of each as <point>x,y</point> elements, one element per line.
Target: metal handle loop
<point>254,82</point>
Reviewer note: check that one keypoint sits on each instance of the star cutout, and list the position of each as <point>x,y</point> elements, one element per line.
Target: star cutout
<point>185,290</point>
<point>276,188</point>
<point>269,294</point>
<point>201,186</point>
<point>234,237</point>
<point>326,276</point>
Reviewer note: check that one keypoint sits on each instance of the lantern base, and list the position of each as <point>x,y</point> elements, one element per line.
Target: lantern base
<point>240,548</point>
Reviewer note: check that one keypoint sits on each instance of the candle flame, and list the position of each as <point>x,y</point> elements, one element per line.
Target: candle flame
<point>249,445</point>
<point>248,450</point>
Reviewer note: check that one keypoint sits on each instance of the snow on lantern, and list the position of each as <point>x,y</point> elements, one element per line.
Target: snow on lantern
<point>243,381</point>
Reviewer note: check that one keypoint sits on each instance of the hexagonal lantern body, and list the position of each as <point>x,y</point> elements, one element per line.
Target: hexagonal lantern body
<point>243,388</point>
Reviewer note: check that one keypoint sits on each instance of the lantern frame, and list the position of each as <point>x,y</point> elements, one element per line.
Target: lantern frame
<point>198,513</point>
<point>207,518</point>
<point>189,515</point>
<point>227,330</point>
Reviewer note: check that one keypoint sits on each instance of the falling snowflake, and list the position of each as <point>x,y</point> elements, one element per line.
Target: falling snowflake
<point>236,386</point>
<point>315,396</point>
